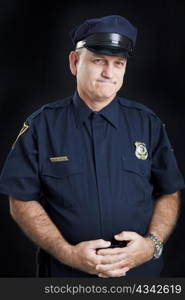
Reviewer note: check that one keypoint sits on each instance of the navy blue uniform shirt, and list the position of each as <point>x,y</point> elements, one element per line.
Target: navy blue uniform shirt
<point>89,172</point>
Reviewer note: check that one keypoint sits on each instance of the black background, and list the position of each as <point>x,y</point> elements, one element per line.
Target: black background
<point>34,47</point>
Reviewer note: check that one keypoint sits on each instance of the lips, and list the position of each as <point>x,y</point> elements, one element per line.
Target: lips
<point>103,81</point>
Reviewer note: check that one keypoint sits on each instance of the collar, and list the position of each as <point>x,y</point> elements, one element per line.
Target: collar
<point>82,111</point>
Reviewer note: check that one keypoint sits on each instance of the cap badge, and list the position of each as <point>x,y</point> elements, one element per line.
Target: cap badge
<point>115,42</point>
<point>141,150</point>
<point>80,44</point>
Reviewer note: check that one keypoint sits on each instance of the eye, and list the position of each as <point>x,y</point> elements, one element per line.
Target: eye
<point>120,63</point>
<point>99,61</point>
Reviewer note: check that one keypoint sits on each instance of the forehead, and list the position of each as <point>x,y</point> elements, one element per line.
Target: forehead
<point>91,54</point>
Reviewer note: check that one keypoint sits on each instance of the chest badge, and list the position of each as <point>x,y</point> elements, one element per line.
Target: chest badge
<point>141,150</point>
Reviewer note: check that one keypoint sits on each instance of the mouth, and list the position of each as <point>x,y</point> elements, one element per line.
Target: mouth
<point>106,82</point>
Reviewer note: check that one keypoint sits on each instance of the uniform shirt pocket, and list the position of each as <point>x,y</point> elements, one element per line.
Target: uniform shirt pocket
<point>61,181</point>
<point>137,175</point>
<point>136,166</point>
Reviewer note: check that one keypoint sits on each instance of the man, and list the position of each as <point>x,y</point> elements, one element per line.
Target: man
<point>92,179</point>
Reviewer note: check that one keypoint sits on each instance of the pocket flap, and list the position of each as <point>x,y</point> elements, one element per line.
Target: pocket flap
<point>138,166</point>
<point>62,169</point>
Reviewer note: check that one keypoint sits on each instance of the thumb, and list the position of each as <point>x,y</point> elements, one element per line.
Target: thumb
<point>99,244</point>
<point>126,236</point>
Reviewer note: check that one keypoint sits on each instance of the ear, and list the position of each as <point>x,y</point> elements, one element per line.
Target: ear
<point>73,60</point>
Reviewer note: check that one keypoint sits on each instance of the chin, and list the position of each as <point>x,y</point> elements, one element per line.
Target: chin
<point>106,95</point>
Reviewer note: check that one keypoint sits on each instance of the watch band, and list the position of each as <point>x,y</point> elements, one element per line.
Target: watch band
<point>158,245</point>
<point>154,239</point>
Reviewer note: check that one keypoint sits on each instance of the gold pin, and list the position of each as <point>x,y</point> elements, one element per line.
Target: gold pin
<point>59,158</point>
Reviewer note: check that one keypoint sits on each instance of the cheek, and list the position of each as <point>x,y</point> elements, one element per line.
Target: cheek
<point>120,81</point>
<point>92,75</point>
<point>120,78</point>
<point>87,76</point>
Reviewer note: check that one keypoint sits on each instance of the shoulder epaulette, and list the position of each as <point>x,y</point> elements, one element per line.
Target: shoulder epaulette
<point>51,105</point>
<point>136,105</point>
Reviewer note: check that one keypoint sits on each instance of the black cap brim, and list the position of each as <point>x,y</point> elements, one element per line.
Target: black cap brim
<point>108,51</point>
<point>112,44</point>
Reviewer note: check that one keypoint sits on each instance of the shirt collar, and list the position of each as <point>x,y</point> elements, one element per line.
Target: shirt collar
<point>82,111</point>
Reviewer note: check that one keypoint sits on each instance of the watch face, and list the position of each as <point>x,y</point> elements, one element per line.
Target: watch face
<point>158,251</point>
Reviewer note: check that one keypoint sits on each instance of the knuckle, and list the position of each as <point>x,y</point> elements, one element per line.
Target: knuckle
<point>119,273</point>
<point>110,273</point>
<point>98,261</point>
<point>88,243</point>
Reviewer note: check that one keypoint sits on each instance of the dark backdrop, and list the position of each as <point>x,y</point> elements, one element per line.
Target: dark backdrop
<point>34,46</point>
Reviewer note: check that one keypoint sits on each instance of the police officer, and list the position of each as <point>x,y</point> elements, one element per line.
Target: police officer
<point>92,179</point>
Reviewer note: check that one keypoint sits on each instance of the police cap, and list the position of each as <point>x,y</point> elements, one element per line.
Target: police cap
<point>110,35</point>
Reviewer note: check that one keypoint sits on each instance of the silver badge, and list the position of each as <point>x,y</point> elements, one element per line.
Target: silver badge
<point>80,44</point>
<point>141,150</point>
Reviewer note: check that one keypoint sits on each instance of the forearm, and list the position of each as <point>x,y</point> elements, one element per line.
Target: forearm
<point>36,224</point>
<point>141,249</point>
<point>165,215</point>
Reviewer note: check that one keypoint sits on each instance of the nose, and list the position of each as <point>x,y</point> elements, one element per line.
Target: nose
<point>107,71</point>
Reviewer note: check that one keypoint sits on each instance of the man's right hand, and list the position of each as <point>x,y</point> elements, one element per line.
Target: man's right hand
<point>84,257</point>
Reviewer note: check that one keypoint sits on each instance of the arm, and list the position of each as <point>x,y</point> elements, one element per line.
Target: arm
<point>140,249</point>
<point>165,216</point>
<point>37,225</point>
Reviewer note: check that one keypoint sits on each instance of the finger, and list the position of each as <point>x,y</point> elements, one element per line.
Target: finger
<point>99,244</point>
<point>102,275</point>
<point>115,273</point>
<point>110,259</point>
<point>111,267</point>
<point>126,236</point>
<point>112,251</point>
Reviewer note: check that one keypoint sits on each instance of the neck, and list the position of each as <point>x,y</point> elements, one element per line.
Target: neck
<point>94,104</point>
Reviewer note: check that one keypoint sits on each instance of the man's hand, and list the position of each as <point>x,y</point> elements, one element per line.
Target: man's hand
<point>84,257</point>
<point>38,226</point>
<point>138,251</point>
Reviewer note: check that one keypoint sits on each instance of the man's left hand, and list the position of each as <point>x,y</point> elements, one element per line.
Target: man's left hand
<point>139,250</point>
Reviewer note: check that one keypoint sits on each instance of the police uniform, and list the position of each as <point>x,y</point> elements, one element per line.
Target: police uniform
<point>95,173</point>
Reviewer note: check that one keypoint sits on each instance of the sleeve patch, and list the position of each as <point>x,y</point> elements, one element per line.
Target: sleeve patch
<point>22,131</point>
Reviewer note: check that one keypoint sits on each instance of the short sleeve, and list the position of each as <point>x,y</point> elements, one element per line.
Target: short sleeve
<point>166,176</point>
<point>20,176</point>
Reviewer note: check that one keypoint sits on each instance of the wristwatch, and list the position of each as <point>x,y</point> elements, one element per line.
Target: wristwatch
<point>158,245</point>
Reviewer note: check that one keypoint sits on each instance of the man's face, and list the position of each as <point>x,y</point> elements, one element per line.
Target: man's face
<point>99,77</point>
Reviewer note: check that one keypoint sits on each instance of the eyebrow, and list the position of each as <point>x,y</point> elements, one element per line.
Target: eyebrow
<point>105,56</point>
